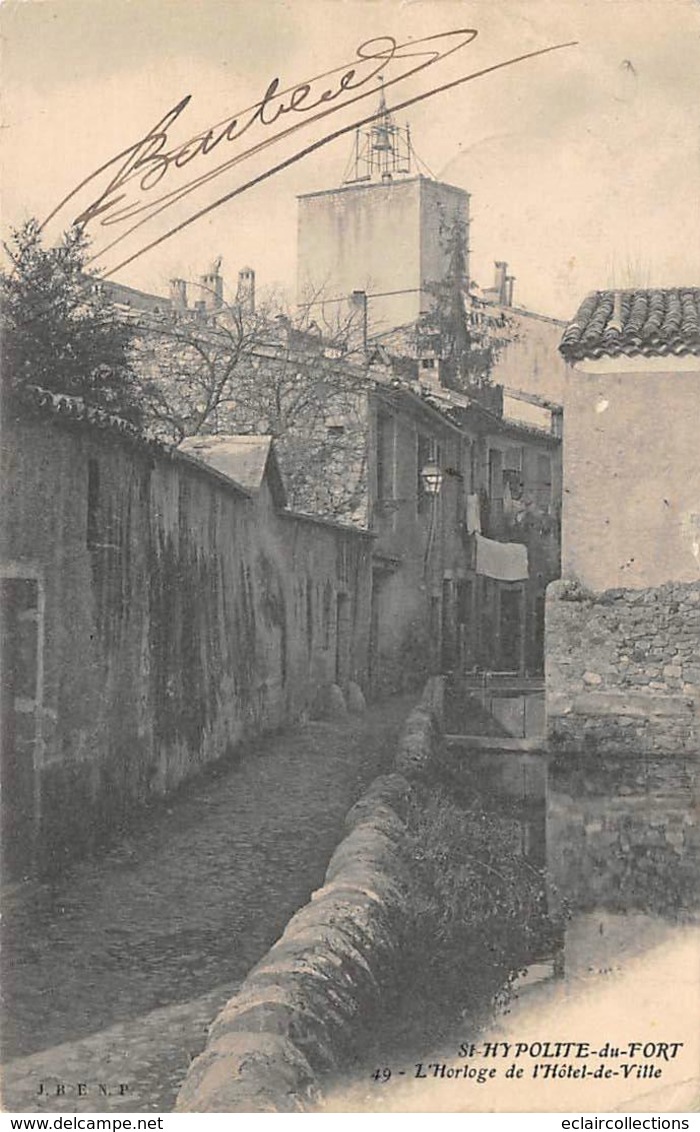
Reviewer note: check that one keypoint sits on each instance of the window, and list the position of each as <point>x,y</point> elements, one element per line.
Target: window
<point>21,614</point>
<point>455,477</point>
<point>544,480</point>
<point>385,456</point>
<point>513,459</point>
<point>495,475</point>
<point>467,467</point>
<point>495,509</point>
<point>512,472</point>
<point>474,468</point>
<point>511,622</point>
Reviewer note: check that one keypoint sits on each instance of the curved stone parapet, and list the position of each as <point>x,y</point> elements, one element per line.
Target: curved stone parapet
<point>420,741</point>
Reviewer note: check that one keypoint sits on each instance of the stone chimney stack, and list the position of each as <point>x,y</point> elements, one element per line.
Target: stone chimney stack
<point>212,285</point>
<point>178,294</point>
<point>501,282</point>
<point>358,308</point>
<point>245,293</point>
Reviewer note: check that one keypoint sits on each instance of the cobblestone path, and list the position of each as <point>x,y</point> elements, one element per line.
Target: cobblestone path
<point>122,963</point>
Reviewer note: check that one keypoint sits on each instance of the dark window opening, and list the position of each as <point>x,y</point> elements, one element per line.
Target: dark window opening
<point>544,480</point>
<point>342,640</point>
<point>511,628</point>
<point>466,640</point>
<point>19,704</point>
<point>513,482</point>
<point>449,633</point>
<point>495,524</point>
<point>385,456</point>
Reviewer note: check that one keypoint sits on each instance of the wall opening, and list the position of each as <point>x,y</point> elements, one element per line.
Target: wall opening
<point>20,698</point>
<point>511,628</point>
<point>449,635</point>
<point>342,640</point>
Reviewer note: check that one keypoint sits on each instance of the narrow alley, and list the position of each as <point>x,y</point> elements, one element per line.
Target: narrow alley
<point>111,975</point>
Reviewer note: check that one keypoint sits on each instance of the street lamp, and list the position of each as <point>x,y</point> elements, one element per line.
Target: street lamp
<point>432,478</point>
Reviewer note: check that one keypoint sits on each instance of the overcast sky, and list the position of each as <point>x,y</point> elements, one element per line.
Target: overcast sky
<point>582,164</point>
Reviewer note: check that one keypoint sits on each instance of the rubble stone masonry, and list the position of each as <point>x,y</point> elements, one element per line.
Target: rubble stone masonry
<point>623,669</point>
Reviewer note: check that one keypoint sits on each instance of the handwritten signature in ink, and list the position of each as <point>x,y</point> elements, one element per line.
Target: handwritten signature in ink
<point>148,164</point>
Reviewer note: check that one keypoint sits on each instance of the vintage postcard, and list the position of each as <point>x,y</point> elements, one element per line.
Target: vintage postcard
<point>350,557</point>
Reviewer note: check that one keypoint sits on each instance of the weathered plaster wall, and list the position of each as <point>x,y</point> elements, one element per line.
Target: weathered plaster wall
<point>177,617</point>
<point>531,361</point>
<point>377,238</point>
<point>631,515</point>
<point>623,669</point>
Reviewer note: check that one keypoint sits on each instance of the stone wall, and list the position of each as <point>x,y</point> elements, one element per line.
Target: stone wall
<point>158,616</point>
<point>623,669</point>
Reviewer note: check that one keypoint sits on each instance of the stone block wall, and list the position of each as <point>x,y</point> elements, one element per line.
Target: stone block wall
<point>623,669</point>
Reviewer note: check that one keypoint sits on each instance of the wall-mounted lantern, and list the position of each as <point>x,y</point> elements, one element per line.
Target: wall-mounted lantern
<point>432,478</point>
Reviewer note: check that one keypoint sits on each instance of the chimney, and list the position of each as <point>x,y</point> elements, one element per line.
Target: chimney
<point>500,282</point>
<point>358,301</point>
<point>178,295</point>
<point>510,284</point>
<point>212,285</point>
<point>245,293</point>
<point>284,326</point>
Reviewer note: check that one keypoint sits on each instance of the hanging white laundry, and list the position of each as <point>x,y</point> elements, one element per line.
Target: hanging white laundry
<point>504,561</point>
<point>473,514</point>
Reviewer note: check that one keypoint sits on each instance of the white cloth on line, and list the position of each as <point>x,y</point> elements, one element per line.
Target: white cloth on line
<point>504,561</point>
<point>473,514</point>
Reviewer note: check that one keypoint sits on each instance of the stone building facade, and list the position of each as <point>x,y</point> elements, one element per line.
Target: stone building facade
<point>459,572</point>
<point>354,431</point>
<point>385,238</point>
<point>623,628</point>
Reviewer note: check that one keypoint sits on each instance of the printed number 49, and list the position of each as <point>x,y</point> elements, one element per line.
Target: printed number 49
<point>381,1075</point>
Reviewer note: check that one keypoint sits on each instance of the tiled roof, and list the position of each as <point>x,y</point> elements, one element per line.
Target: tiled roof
<point>244,459</point>
<point>68,408</point>
<point>651,323</point>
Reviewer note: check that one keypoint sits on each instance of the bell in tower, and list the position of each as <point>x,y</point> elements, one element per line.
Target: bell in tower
<point>381,150</point>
